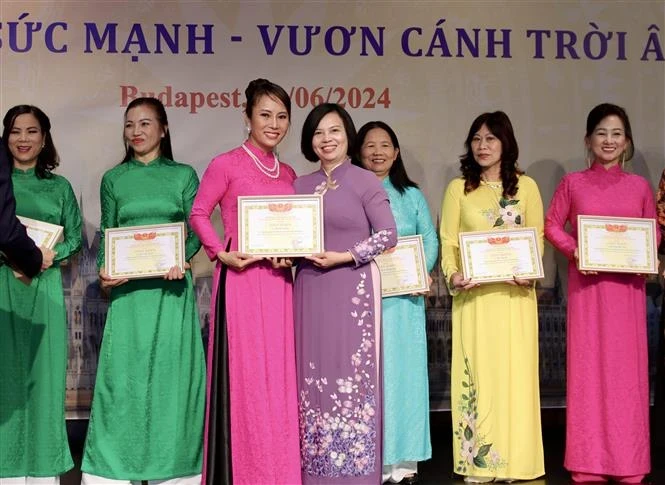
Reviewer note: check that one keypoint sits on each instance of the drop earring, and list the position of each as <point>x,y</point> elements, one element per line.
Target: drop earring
<point>588,159</point>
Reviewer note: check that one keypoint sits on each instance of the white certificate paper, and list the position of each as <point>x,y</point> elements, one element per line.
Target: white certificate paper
<point>144,251</point>
<point>404,270</point>
<point>44,234</point>
<point>617,244</point>
<point>492,256</point>
<point>280,225</point>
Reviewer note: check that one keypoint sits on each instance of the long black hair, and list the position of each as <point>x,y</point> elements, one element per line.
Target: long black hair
<point>160,113</point>
<point>48,158</point>
<point>500,126</point>
<point>397,174</point>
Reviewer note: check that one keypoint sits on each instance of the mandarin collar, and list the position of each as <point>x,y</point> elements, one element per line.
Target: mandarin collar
<point>598,167</point>
<point>338,168</point>
<point>257,151</point>
<point>151,163</point>
<point>21,172</point>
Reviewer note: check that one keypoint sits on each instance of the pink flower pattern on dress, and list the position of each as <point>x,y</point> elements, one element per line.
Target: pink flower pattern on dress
<point>342,442</point>
<point>372,246</point>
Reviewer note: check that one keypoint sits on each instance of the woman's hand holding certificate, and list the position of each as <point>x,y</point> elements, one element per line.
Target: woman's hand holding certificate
<point>510,256</point>
<point>106,282</point>
<point>237,260</point>
<point>153,251</point>
<point>403,269</point>
<point>280,225</point>
<point>45,236</point>
<point>615,244</point>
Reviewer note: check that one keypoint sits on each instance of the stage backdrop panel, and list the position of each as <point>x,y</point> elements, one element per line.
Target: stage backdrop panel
<point>427,68</point>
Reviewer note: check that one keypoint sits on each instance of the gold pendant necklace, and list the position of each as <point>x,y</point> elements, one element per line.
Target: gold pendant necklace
<point>493,187</point>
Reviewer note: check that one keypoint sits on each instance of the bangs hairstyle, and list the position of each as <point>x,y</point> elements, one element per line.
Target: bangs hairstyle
<point>312,123</point>
<point>602,111</point>
<point>48,158</point>
<point>262,87</point>
<point>160,113</point>
<point>500,126</point>
<point>398,176</point>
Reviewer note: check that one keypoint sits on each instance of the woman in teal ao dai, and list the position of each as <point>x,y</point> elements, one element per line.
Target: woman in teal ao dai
<point>406,435</point>
<point>33,318</point>
<point>147,412</point>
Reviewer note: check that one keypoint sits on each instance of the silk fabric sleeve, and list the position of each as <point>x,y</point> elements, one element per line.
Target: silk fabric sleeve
<point>213,187</point>
<point>192,243</point>
<point>534,211</point>
<point>555,220</point>
<point>426,229</point>
<point>71,222</point>
<point>377,209</point>
<point>109,217</point>
<point>450,229</point>
<point>649,209</point>
<point>660,203</point>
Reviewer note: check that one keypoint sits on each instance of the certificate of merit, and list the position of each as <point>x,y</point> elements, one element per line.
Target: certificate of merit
<point>617,244</point>
<point>403,270</point>
<point>144,251</point>
<point>280,225</point>
<point>43,234</point>
<point>502,255</point>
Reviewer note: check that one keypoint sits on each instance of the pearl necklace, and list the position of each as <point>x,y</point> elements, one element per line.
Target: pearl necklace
<point>272,172</point>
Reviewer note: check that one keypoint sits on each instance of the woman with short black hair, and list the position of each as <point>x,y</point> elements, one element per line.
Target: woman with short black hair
<point>338,309</point>
<point>33,317</point>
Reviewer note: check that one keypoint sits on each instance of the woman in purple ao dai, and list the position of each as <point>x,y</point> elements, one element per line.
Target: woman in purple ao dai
<point>337,310</point>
